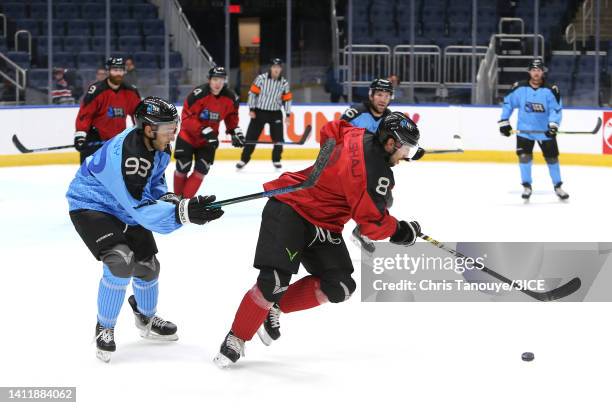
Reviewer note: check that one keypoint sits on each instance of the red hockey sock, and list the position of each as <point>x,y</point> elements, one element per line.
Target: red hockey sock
<point>251,314</point>
<point>179,182</point>
<point>303,294</point>
<point>193,184</point>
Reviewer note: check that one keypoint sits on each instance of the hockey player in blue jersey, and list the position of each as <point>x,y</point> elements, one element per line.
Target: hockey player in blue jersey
<point>116,199</point>
<point>539,107</point>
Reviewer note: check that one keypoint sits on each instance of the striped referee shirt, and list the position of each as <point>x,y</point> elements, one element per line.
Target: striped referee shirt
<point>270,94</point>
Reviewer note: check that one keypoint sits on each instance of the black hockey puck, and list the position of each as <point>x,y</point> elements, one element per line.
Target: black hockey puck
<point>527,356</point>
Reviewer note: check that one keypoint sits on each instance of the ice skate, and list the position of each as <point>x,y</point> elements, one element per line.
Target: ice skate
<point>231,350</point>
<point>362,241</point>
<point>527,191</point>
<point>240,165</point>
<point>105,342</point>
<point>561,193</point>
<point>277,165</point>
<point>153,328</point>
<point>270,329</point>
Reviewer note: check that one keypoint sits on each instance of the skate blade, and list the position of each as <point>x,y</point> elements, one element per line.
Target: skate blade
<point>264,336</point>
<point>104,356</point>
<point>158,337</point>
<point>222,362</point>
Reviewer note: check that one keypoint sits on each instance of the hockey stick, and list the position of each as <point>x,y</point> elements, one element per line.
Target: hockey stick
<point>562,132</point>
<point>317,169</point>
<point>457,141</point>
<point>302,140</point>
<point>557,293</point>
<point>24,149</point>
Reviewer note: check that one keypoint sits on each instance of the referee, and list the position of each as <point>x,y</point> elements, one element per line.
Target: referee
<point>268,94</point>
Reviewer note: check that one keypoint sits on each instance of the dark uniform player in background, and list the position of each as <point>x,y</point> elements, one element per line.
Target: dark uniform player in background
<point>268,94</point>
<point>539,107</point>
<point>116,199</point>
<point>104,109</point>
<point>203,110</point>
<point>306,227</point>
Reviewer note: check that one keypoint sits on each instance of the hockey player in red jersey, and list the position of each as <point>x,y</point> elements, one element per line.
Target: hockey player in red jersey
<point>104,109</point>
<point>203,110</point>
<point>305,227</point>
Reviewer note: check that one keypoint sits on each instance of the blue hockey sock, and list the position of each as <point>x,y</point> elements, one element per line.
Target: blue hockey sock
<point>146,293</point>
<point>526,172</point>
<point>111,293</point>
<point>555,173</point>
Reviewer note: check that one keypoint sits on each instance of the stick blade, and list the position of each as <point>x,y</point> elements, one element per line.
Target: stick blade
<point>597,126</point>
<point>458,142</point>
<point>306,135</point>
<point>322,159</point>
<point>560,292</point>
<point>19,145</point>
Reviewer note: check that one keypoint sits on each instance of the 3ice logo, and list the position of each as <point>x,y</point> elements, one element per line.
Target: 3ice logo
<point>115,112</point>
<point>209,115</point>
<point>533,107</point>
<point>152,109</point>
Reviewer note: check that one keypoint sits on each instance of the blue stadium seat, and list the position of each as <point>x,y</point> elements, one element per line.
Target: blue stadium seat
<point>176,60</point>
<point>152,27</point>
<point>154,43</point>
<point>98,44</point>
<point>78,27</point>
<point>30,25</point>
<point>99,28</point>
<point>93,11</point>
<point>64,60</point>
<point>128,27</point>
<point>144,11</point>
<point>58,28</point>
<point>38,11</point>
<point>130,43</point>
<point>41,45</point>
<point>14,10</point>
<point>20,58</point>
<point>76,44</point>
<point>90,60</point>
<point>66,11</point>
<point>146,60</point>
<point>120,12</point>
<point>38,78</point>
<point>3,46</point>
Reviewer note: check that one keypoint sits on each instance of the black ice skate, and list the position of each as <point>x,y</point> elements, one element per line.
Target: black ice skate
<point>270,329</point>
<point>364,242</point>
<point>240,165</point>
<point>231,350</point>
<point>153,328</point>
<point>277,165</point>
<point>526,191</point>
<point>561,193</point>
<point>105,342</point>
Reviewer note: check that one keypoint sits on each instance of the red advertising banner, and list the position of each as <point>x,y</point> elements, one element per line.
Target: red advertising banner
<point>607,133</point>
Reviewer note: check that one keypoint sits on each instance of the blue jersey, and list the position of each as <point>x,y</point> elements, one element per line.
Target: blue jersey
<point>537,108</point>
<point>125,179</point>
<point>361,116</point>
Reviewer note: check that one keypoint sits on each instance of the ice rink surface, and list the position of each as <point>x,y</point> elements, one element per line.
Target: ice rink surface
<point>349,354</point>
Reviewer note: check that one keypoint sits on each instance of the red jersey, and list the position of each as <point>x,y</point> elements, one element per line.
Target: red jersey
<point>202,109</point>
<point>356,183</point>
<point>106,109</point>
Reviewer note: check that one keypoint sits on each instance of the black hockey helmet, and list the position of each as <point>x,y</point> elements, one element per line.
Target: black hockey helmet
<point>114,62</point>
<point>400,127</point>
<point>380,84</point>
<point>217,71</point>
<point>155,111</point>
<point>536,63</point>
<point>276,61</point>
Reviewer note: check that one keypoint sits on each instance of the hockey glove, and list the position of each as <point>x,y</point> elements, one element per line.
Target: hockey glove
<point>79,140</point>
<point>406,233</point>
<point>237,137</point>
<point>504,127</point>
<point>552,130</point>
<point>170,198</point>
<point>419,154</point>
<point>211,136</point>
<point>195,211</point>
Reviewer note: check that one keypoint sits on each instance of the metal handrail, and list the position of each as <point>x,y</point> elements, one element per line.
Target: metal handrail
<point>367,50</point>
<point>3,25</point>
<point>456,53</point>
<point>586,12</point>
<point>503,20</point>
<point>539,37</point>
<point>570,35</point>
<point>20,73</point>
<point>335,37</point>
<point>29,36</point>
<point>426,50</point>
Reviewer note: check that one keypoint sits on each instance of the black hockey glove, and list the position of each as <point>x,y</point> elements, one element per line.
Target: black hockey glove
<point>170,198</point>
<point>211,136</point>
<point>406,233</point>
<point>504,127</point>
<point>237,137</point>
<point>419,154</point>
<point>552,130</point>
<point>79,140</point>
<point>195,211</point>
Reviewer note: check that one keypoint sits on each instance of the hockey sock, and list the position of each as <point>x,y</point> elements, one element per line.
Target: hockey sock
<point>526,172</point>
<point>555,172</point>
<point>193,184</point>
<point>179,182</point>
<point>303,294</point>
<point>146,293</point>
<point>251,314</point>
<point>111,293</point>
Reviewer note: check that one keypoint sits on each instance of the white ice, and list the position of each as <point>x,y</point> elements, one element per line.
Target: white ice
<point>349,354</point>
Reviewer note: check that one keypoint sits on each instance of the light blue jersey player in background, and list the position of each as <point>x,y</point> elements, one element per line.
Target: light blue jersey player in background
<point>116,199</point>
<point>539,108</point>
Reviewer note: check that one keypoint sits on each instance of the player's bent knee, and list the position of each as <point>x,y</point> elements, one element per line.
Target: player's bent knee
<point>552,160</point>
<point>339,290</point>
<point>148,269</point>
<point>202,166</point>
<point>183,165</point>
<point>119,260</point>
<point>273,283</point>
<point>525,158</point>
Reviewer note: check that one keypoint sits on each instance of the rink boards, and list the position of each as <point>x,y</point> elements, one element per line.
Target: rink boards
<point>477,125</point>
